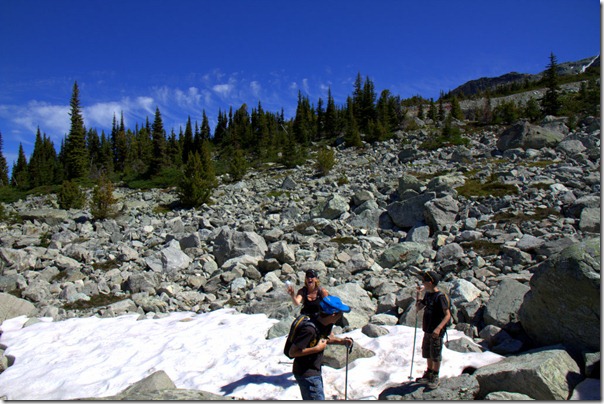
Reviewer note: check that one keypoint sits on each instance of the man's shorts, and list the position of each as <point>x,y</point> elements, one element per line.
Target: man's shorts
<point>432,347</point>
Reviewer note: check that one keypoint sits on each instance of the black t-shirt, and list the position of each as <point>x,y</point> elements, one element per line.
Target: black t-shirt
<point>311,307</point>
<point>308,335</point>
<point>434,311</point>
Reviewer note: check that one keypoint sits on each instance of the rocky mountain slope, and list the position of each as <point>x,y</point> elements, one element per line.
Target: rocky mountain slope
<point>512,222</point>
<point>491,83</point>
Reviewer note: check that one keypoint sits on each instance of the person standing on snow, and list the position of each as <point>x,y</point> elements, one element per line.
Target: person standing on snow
<point>310,295</point>
<point>435,320</point>
<point>309,342</point>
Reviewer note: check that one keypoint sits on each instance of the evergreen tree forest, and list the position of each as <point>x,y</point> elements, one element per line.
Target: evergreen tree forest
<point>147,156</point>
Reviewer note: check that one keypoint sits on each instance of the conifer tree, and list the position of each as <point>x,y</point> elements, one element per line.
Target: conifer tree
<point>20,177</point>
<point>106,155</point>
<point>199,179</point>
<point>456,111</point>
<point>3,166</point>
<point>158,136</point>
<point>93,143</point>
<point>551,100</point>
<point>43,163</point>
<point>76,153</point>
<point>441,109</point>
<point>103,202</point>
<point>205,128</point>
<point>187,145</point>
<point>174,151</point>
<point>121,147</point>
<point>331,116</point>
<point>304,122</point>
<point>432,110</point>
<point>352,137</point>
<point>420,111</point>
<point>238,165</point>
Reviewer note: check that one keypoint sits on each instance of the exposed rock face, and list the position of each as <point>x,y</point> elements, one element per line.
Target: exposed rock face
<point>566,287</point>
<point>542,375</point>
<point>11,306</point>
<point>527,136</point>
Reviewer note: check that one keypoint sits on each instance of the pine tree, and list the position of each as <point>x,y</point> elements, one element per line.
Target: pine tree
<point>76,153</point>
<point>158,136</point>
<point>352,137</point>
<point>331,116</point>
<point>432,110</point>
<point>3,166</point>
<point>20,177</point>
<point>551,100</point>
<point>205,128</point>
<point>43,163</point>
<point>103,202</point>
<point>121,148</point>
<point>187,146</point>
<point>441,109</point>
<point>456,111</point>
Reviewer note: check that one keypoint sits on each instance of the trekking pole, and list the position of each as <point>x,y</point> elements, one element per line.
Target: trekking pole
<point>348,350</point>
<point>413,353</point>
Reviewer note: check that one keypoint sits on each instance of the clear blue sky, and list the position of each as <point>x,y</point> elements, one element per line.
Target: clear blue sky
<point>186,56</point>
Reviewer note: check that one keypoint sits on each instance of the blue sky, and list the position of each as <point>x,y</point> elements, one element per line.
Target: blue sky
<point>186,56</point>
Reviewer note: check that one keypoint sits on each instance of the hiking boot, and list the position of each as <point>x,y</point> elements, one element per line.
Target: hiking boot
<point>434,381</point>
<point>425,378</point>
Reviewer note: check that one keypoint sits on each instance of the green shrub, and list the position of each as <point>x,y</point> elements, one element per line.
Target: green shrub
<point>325,161</point>
<point>238,165</point>
<point>71,196</point>
<point>194,188</point>
<point>102,204</point>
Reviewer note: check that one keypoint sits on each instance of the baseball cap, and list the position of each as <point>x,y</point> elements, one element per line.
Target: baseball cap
<point>431,276</point>
<point>311,273</point>
<point>332,304</point>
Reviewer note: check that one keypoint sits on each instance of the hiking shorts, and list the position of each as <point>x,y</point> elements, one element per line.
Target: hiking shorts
<point>432,347</point>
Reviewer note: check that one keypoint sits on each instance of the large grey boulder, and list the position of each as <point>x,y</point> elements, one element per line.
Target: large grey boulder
<point>407,253</point>
<point>527,136</point>
<point>565,287</point>
<point>440,212</point>
<point>11,306</point>
<point>464,387</point>
<point>230,243</point>
<point>46,215</point>
<point>335,207</point>
<point>159,386</point>
<point>550,374</point>
<point>361,304</point>
<point>504,303</point>
<point>406,214</point>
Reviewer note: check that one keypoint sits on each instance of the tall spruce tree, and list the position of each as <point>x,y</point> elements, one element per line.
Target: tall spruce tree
<point>551,100</point>
<point>20,177</point>
<point>187,145</point>
<point>43,162</point>
<point>331,116</point>
<point>76,153</point>
<point>3,166</point>
<point>158,136</point>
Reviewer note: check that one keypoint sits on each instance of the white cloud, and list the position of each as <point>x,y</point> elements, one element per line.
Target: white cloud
<point>223,90</point>
<point>101,114</point>
<point>52,119</point>
<point>256,88</point>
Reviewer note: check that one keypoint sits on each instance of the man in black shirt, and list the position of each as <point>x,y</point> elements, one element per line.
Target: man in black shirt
<point>435,320</point>
<point>310,340</point>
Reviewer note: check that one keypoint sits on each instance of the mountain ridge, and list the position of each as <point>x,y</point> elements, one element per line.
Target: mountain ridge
<point>490,83</point>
